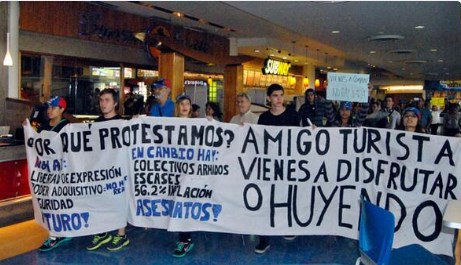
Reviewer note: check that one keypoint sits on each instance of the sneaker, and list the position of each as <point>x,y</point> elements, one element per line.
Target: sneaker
<point>289,238</point>
<point>52,243</point>
<point>262,247</point>
<point>118,242</point>
<point>182,248</point>
<point>99,240</point>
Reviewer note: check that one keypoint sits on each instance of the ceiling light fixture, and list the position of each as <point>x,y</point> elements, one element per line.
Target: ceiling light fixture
<point>335,32</point>
<point>386,38</point>
<point>419,27</point>
<point>8,61</point>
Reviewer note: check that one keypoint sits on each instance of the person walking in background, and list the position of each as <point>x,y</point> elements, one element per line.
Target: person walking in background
<point>213,111</point>
<point>277,115</point>
<point>183,109</point>
<point>108,105</point>
<point>426,115</point>
<point>436,120</point>
<point>245,115</point>
<point>451,120</point>
<point>56,107</point>
<point>164,107</point>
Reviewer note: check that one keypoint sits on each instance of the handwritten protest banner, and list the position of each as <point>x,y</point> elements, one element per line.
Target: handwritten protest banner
<point>200,175</point>
<point>348,87</point>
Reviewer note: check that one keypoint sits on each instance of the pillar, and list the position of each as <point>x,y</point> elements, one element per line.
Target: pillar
<point>171,66</point>
<point>233,85</point>
<point>309,72</point>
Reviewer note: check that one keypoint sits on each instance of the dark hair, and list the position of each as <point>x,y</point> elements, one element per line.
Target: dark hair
<point>389,96</point>
<point>309,90</point>
<point>110,91</point>
<point>272,88</point>
<point>195,107</point>
<point>216,110</point>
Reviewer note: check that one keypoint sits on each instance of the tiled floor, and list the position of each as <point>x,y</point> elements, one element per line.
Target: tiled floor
<point>153,246</point>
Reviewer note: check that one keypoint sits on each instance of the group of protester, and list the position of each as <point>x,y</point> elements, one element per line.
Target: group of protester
<point>315,112</point>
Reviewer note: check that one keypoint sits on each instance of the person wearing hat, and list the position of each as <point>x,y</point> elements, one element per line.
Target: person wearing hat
<point>56,107</point>
<point>315,109</point>
<point>183,110</point>
<point>344,118</point>
<point>410,122</point>
<point>164,107</point>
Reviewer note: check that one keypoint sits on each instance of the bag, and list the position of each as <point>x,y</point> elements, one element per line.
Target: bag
<point>385,121</point>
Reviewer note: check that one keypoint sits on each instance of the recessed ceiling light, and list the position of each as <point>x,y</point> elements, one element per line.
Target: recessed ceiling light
<point>335,32</point>
<point>284,57</point>
<point>385,38</point>
<point>440,61</point>
<point>271,54</point>
<point>372,52</point>
<point>296,61</point>
<point>433,50</point>
<point>256,50</point>
<point>415,62</point>
<point>402,51</point>
<point>419,27</point>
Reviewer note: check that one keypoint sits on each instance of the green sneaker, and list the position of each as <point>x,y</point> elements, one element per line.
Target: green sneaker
<point>52,243</point>
<point>118,242</point>
<point>99,240</point>
<point>182,248</point>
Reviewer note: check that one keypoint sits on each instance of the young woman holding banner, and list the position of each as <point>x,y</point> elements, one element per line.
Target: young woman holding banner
<point>183,109</point>
<point>410,120</point>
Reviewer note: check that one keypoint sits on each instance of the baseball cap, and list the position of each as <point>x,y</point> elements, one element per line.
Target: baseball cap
<point>57,102</point>
<point>414,110</point>
<point>161,83</point>
<point>182,97</point>
<point>345,105</point>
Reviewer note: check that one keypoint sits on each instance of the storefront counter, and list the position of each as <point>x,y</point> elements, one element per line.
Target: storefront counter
<point>15,199</point>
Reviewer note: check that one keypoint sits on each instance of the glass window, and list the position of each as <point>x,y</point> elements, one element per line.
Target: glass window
<point>77,80</point>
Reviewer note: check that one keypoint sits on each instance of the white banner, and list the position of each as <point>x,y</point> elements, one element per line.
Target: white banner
<point>200,175</point>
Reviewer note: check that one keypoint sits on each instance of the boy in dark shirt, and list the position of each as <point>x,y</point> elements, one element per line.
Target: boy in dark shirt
<point>278,115</point>
<point>108,105</point>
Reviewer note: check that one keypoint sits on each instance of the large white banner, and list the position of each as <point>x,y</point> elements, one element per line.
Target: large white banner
<point>200,175</point>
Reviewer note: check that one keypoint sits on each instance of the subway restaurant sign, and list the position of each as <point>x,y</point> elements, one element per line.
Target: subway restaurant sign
<point>274,67</point>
